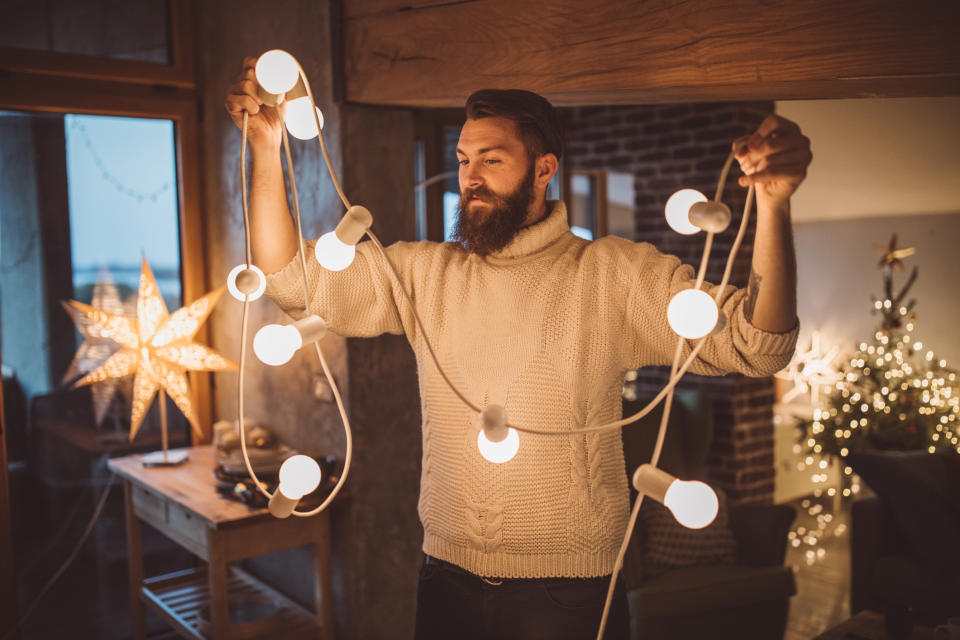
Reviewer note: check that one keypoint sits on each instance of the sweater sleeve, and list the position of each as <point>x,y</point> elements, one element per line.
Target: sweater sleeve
<point>359,301</point>
<point>738,347</point>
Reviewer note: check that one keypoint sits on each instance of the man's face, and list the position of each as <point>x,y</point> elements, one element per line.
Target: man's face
<point>496,185</point>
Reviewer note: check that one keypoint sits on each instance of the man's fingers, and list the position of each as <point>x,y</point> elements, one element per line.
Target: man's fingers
<point>794,172</point>
<point>245,88</point>
<point>764,152</point>
<point>789,156</point>
<point>773,123</point>
<point>249,62</point>
<point>239,103</point>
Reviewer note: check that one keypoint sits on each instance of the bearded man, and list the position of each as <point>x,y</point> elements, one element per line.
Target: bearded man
<point>524,314</point>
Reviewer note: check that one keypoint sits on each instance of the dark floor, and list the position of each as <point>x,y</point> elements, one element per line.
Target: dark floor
<point>823,587</point>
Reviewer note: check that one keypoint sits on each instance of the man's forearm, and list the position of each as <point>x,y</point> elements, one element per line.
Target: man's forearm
<point>273,233</point>
<point>771,303</point>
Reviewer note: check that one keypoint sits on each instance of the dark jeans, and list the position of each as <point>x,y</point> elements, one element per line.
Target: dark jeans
<point>454,604</point>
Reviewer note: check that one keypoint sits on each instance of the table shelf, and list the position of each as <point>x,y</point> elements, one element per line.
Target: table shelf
<point>181,596</point>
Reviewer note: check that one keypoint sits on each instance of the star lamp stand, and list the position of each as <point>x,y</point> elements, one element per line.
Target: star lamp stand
<point>164,457</point>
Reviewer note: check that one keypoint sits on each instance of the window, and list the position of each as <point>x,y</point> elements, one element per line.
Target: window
<point>98,166</point>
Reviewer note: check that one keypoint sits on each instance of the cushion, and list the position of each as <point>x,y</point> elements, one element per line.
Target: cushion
<point>669,544</point>
<point>921,490</point>
<point>693,590</point>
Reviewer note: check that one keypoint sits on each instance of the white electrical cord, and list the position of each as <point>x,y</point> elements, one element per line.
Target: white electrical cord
<point>676,372</point>
<point>348,457</point>
<point>662,432</point>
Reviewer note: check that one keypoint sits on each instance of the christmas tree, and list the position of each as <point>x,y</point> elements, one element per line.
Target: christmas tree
<point>892,393</point>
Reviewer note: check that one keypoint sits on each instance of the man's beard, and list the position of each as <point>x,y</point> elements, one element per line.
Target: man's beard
<point>505,218</point>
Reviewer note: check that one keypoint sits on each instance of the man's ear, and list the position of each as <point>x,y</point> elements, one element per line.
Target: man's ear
<point>547,166</point>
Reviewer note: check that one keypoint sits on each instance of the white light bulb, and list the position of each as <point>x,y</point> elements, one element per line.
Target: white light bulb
<point>246,281</point>
<point>692,313</point>
<point>693,503</point>
<point>499,452</point>
<point>277,71</point>
<point>275,344</point>
<point>299,475</point>
<point>678,210</point>
<point>300,121</point>
<point>332,253</point>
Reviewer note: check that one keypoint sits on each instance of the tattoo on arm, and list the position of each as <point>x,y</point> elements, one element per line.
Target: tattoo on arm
<point>753,286</point>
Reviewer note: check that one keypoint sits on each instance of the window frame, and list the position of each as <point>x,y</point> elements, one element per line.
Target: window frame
<point>598,178</point>
<point>140,90</point>
<point>38,81</point>
<point>179,73</point>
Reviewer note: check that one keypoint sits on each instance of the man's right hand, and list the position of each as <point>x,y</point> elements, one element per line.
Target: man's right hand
<point>264,124</point>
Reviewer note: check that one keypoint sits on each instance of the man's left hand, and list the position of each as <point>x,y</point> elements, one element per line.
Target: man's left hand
<point>774,159</point>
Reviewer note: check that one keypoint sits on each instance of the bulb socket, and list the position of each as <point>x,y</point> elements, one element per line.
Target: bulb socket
<point>651,481</point>
<point>311,329</point>
<point>267,98</point>
<point>494,418</point>
<point>710,216</point>
<point>353,225</point>
<point>280,506</point>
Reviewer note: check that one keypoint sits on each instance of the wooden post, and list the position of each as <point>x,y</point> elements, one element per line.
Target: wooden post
<point>217,580</point>
<point>163,423</point>
<point>135,560</point>
<point>322,583</point>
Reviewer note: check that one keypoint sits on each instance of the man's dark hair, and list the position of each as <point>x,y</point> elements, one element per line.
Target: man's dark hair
<point>537,121</point>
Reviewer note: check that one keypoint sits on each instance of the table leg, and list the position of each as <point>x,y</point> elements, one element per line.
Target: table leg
<point>322,582</point>
<point>135,563</point>
<point>217,578</point>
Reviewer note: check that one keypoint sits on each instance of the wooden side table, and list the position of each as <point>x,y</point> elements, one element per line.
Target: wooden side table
<point>182,503</point>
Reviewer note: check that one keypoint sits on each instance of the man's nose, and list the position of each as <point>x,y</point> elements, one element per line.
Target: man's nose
<point>471,175</point>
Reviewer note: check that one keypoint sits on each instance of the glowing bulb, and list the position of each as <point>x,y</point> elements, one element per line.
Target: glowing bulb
<point>275,344</point>
<point>299,475</point>
<point>499,452</point>
<point>332,253</point>
<point>335,250</point>
<point>497,442</point>
<point>692,313</point>
<point>246,281</point>
<point>693,503</point>
<point>678,210</point>
<point>277,71</point>
<point>300,121</point>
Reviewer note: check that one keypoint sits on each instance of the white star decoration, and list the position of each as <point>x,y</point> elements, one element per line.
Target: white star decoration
<point>810,371</point>
<point>157,347</point>
<point>96,348</point>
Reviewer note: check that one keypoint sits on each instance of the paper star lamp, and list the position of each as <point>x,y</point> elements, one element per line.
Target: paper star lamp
<point>810,370</point>
<point>157,347</point>
<point>96,348</point>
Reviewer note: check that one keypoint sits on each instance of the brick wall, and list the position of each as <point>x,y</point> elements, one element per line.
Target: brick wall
<point>667,147</point>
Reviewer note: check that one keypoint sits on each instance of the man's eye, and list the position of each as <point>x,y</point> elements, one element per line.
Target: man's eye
<point>492,161</point>
<point>462,163</point>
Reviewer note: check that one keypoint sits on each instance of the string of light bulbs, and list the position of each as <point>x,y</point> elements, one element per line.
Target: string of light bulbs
<point>692,313</point>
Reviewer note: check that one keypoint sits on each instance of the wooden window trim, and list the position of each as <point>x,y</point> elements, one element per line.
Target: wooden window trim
<point>180,73</point>
<point>599,177</point>
<point>39,93</point>
<point>428,125</point>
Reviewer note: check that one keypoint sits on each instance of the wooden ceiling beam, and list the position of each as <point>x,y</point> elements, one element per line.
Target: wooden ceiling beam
<point>430,53</point>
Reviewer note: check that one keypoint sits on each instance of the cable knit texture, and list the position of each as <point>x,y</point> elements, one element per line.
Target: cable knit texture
<point>546,328</point>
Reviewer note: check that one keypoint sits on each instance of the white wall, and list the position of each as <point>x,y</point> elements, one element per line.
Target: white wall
<point>878,157</point>
<point>880,166</point>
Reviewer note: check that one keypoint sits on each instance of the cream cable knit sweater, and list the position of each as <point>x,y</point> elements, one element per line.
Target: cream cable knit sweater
<point>546,327</point>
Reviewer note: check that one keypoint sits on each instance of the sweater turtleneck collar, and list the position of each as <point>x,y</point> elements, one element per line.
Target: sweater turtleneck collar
<point>537,236</point>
